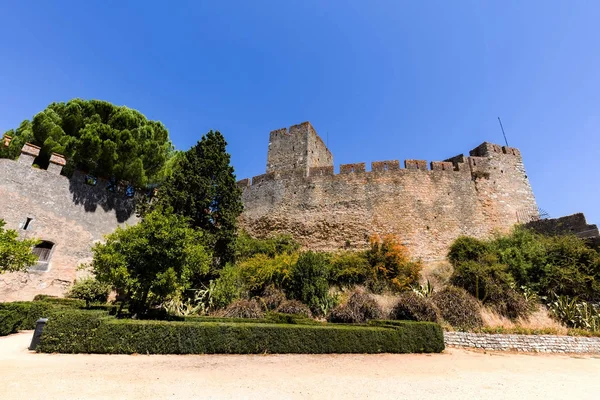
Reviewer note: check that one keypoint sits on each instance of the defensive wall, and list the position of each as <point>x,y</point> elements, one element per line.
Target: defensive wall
<point>427,205</point>
<point>68,214</point>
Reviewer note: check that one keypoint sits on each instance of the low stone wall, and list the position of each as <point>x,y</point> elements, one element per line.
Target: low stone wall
<point>526,343</point>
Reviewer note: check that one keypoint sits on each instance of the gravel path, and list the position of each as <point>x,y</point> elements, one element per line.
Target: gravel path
<point>456,374</point>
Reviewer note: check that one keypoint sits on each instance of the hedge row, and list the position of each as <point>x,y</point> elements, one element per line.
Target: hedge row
<point>22,315</point>
<point>74,331</point>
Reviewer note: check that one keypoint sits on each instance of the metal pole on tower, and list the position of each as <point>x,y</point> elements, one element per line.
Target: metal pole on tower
<point>503,134</point>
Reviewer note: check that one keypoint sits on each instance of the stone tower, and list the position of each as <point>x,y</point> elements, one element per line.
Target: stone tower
<point>297,149</point>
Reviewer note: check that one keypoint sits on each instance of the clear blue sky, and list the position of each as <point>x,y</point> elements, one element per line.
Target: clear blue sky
<point>381,79</point>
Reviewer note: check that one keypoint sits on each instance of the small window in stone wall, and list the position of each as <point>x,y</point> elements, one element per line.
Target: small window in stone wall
<point>43,251</point>
<point>27,224</point>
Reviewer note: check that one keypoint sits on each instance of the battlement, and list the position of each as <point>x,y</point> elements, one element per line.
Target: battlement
<point>299,142</point>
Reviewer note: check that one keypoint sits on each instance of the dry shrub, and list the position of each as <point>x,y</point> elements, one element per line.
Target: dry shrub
<point>539,320</point>
<point>272,297</point>
<point>458,308</point>
<point>243,309</point>
<point>360,307</point>
<point>412,307</point>
<point>294,307</point>
<point>391,264</point>
<point>386,302</point>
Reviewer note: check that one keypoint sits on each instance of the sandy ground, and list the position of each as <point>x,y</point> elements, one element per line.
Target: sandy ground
<point>456,374</point>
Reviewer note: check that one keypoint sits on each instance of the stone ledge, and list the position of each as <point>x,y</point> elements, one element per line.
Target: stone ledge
<point>525,343</point>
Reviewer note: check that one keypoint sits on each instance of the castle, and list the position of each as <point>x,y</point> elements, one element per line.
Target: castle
<point>427,208</point>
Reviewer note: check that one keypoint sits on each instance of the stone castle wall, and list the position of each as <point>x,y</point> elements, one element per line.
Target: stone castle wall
<point>427,208</point>
<point>69,213</point>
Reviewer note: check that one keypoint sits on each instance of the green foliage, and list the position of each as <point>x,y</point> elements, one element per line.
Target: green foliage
<point>261,271</point>
<point>9,322</point>
<point>90,290</point>
<point>203,188</point>
<point>229,286</point>
<point>540,265</point>
<point>391,265</point>
<point>571,268</point>
<point>458,308</point>
<point>575,313</point>
<point>425,290</point>
<point>15,254</point>
<point>466,248</point>
<point>88,332</point>
<point>244,309</point>
<point>152,260</point>
<point>247,247</point>
<point>493,285</point>
<point>97,136</point>
<point>350,268</point>
<point>412,307</point>
<point>308,281</point>
<point>359,308</point>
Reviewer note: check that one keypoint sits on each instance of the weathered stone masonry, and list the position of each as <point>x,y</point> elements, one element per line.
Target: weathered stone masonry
<point>426,207</point>
<point>68,214</point>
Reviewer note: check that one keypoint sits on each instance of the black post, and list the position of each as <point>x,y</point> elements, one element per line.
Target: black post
<point>39,327</point>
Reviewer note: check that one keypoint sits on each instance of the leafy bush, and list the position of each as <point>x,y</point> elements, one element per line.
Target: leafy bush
<point>412,307</point>
<point>261,271</point>
<point>458,308</point>
<point>154,260</point>
<point>87,332</point>
<point>294,307</point>
<point>308,281</point>
<point>9,322</point>
<point>350,268</point>
<point>90,290</point>
<point>391,264</point>
<point>466,248</point>
<point>228,287</point>
<point>247,247</point>
<point>565,265</point>
<point>493,285</point>
<point>244,309</point>
<point>15,253</point>
<point>359,308</point>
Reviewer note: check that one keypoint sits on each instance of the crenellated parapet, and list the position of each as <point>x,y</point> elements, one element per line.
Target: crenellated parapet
<point>478,164</point>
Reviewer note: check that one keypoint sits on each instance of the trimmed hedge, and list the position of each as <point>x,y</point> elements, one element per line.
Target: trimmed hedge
<point>75,331</point>
<point>9,320</point>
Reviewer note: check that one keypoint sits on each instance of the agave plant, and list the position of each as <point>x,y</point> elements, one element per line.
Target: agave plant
<point>425,290</point>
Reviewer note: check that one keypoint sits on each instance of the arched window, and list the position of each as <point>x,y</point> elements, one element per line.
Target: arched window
<point>43,251</point>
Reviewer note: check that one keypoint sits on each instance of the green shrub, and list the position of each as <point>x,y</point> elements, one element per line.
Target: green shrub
<point>308,281</point>
<point>466,248</point>
<point>89,290</point>
<point>282,318</point>
<point>243,309</point>
<point>228,287</point>
<point>29,312</point>
<point>412,307</point>
<point>350,268</point>
<point>261,271</point>
<point>247,247</point>
<point>294,307</point>
<point>359,308</point>
<point>86,332</point>
<point>458,308</point>
<point>9,321</point>
<point>493,285</point>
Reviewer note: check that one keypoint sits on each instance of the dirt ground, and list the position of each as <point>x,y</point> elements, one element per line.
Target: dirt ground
<point>455,374</point>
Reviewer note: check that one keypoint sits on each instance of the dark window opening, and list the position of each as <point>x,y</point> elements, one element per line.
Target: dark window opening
<point>43,251</point>
<point>27,223</point>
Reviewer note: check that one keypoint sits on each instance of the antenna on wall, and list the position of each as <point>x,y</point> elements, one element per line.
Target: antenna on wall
<point>503,134</point>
